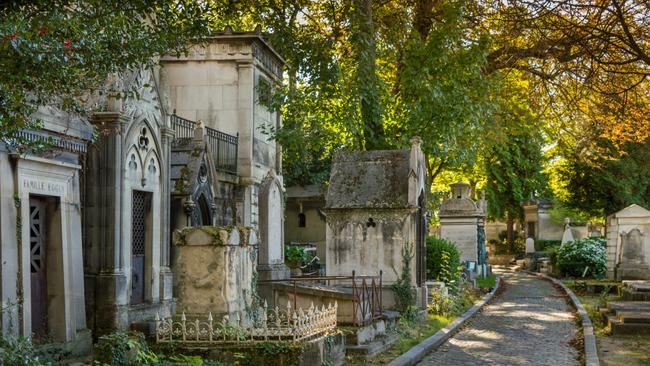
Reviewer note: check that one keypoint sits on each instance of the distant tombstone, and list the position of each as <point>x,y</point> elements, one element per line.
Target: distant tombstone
<point>530,246</point>
<point>632,263</point>
<point>632,245</point>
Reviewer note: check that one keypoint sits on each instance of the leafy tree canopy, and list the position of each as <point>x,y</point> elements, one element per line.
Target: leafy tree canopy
<point>60,52</point>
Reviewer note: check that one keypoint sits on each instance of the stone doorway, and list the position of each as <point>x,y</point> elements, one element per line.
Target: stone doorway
<point>47,297</point>
<point>38,266</point>
<point>140,235</point>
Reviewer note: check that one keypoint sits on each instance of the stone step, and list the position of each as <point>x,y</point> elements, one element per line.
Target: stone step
<point>631,294</point>
<point>620,328</point>
<point>635,317</point>
<point>640,286</point>
<point>369,350</point>
<point>621,306</point>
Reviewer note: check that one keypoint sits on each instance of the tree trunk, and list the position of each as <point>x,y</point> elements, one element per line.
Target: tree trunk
<point>511,232</point>
<point>364,39</point>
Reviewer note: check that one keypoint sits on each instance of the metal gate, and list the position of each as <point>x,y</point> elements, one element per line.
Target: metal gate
<point>140,210</point>
<point>37,260</point>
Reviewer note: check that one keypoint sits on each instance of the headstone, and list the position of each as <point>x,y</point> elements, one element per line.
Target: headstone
<point>632,263</point>
<point>530,246</point>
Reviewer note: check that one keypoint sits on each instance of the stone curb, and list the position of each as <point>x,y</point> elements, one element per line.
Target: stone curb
<point>417,353</point>
<point>591,351</point>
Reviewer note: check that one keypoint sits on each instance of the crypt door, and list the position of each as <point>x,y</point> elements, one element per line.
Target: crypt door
<point>37,260</point>
<point>139,237</point>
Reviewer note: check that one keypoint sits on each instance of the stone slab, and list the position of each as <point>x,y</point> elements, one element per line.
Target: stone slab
<point>635,317</point>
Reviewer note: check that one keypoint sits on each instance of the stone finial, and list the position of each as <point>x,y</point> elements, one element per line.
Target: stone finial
<point>460,190</point>
<point>416,140</point>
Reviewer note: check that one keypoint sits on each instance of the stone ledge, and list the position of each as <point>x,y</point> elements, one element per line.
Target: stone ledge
<point>417,353</point>
<point>591,351</point>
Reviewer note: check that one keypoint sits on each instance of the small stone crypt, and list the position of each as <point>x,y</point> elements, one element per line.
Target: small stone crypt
<point>376,210</point>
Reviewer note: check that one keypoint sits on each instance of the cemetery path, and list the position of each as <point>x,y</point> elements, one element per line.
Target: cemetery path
<point>529,323</point>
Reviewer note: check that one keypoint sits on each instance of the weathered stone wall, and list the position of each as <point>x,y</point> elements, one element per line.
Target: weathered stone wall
<point>353,245</point>
<point>213,269</point>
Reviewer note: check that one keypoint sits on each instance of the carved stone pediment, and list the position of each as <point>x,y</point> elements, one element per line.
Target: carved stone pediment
<point>142,101</point>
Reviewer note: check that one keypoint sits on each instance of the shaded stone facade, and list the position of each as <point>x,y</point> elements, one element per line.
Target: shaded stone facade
<point>41,271</point>
<point>305,219</point>
<point>221,83</point>
<point>128,279</point>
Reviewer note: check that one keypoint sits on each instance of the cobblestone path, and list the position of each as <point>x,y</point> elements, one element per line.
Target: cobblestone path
<point>528,324</point>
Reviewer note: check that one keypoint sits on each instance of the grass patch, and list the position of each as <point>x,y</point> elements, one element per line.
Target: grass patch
<point>410,334</point>
<point>487,282</point>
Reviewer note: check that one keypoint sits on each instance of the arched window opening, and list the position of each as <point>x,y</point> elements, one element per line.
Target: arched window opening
<point>204,212</point>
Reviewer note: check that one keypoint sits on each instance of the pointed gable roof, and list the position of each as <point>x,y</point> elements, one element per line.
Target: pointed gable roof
<point>632,210</point>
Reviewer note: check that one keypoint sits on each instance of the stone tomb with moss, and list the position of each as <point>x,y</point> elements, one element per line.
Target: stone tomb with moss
<point>214,270</point>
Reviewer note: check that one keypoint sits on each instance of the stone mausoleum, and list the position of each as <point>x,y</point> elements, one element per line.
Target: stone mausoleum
<point>222,83</point>
<point>462,221</point>
<point>376,209</point>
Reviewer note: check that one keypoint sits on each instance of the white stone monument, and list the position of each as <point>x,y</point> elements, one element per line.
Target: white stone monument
<point>530,246</point>
<point>459,221</point>
<point>628,244</point>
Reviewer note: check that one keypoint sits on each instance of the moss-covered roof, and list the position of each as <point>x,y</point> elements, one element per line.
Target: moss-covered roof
<point>187,157</point>
<point>369,179</point>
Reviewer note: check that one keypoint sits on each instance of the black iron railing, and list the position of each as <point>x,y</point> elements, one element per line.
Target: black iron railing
<point>224,150</point>
<point>222,145</point>
<point>184,128</point>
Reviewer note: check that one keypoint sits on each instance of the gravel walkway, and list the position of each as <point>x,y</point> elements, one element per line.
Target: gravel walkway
<point>528,324</point>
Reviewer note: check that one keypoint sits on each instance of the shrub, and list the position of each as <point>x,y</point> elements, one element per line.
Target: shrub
<point>21,351</point>
<point>573,257</point>
<point>435,248</point>
<point>294,256</point>
<point>404,296</point>
<point>541,245</point>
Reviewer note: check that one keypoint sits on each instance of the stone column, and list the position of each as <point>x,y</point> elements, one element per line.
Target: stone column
<point>165,272</point>
<point>109,287</point>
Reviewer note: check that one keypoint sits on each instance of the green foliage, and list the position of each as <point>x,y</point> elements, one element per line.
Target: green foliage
<point>573,257</point>
<point>404,296</point>
<point>435,249</point>
<point>22,352</point>
<point>454,304</point>
<point>486,282</point>
<point>517,247</point>
<point>512,157</point>
<point>294,256</point>
<point>597,179</point>
<point>61,52</point>
<point>541,245</point>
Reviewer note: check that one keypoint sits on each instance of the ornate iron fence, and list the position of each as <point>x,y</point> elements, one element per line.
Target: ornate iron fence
<point>224,150</point>
<point>184,128</point>
<point>367,302</point>
<point>280,324</point>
